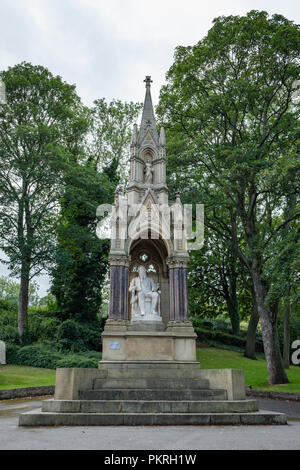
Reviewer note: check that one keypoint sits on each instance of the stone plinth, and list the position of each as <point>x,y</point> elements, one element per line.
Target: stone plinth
<point>177,344</point>
<point>147,393</point>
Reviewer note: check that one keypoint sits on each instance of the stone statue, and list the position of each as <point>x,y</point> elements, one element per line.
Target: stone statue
<point>145,297</point>
<point>148,172</point>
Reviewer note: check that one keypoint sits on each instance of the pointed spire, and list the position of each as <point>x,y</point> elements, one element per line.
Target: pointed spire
<point>148,118</point>
<point>162,136</point>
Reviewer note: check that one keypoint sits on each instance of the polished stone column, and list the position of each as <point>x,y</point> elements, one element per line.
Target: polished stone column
<point>118,300</point>
<point>178,290</point>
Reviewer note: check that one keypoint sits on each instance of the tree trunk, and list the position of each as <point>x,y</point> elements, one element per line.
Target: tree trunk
<point>230,296</point>
<point>234,304</point>
<point>286,332</point>
<point>251,332</point>
<point>233,310</point>
<point>23,301</point>
<point>268,319</point>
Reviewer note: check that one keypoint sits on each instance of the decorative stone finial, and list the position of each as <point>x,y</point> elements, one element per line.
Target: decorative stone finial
<point>178,200</point>
<point>162,136</point>
<point>134,135</point>
<point>148,81</point>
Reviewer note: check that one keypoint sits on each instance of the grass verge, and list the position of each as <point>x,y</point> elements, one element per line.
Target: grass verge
<point>255,371</point>
<point>22,376</point>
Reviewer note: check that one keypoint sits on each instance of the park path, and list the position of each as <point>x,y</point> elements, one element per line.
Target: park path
<point>109,438</point>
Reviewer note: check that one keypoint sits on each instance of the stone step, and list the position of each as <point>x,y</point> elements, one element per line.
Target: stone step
<point>189,373</point>
<point>132,406</point>
<point>150,394</point>
<point>38,418</point>
<point>154,383</point>
<point>141,365</point>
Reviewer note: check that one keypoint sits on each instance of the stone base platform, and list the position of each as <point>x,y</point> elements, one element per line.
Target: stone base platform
<point>38,418</point>
<point>134,393</point>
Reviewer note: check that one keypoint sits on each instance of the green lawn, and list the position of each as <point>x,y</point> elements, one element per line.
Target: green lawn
<point>210,358</point>
<point>255,371</point>
<point>23,376</point>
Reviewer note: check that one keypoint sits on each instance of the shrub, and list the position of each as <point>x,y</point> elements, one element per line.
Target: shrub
<point>37,356</point>
<point>9,334</point>
<point>90,333</point>
<point>78,336</point>
<point>42,324</point>
<point>41,355</point>
<point>69,337</point>
<point>12,353</point>
<point>78,361</point>
<point>93,354</point>
<point>9,321</point>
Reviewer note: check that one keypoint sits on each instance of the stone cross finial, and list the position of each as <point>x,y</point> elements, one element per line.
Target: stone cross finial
<point>148,80</point>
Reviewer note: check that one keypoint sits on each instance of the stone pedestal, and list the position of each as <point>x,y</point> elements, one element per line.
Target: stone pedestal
<point>177,343</point>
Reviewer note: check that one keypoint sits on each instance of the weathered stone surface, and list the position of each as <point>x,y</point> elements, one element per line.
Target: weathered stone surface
<point>36,418</point>
<point>70,381</point>
<point>149,394</point>
<point>171,345</point>
<point>154,383</point>
<point>12,393</point>
<point>231,380</point>
<point>146,326</point>
<point>153,406</point>
<point>151,373</point>
<point>156,365</point>
<point>273,395</point>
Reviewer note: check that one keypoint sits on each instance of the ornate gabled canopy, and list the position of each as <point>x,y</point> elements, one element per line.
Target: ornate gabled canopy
<point>148,124</point>
<point>148,156</point>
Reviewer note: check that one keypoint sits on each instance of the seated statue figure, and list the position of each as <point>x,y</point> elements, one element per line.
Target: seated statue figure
<point>143,288</point>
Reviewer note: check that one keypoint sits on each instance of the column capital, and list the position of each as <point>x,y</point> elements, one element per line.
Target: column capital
<point>178,262</point>
<point>119,260</point>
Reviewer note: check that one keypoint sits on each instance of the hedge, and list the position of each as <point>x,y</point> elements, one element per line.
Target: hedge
<point>40,355</point>
<point>214,335</point>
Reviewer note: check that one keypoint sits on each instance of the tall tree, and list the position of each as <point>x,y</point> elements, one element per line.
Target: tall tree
<point>97,168</point>
<point>41,111</point>
<point>81,258</point>
<point>111,135</point>
<point>232,98</point>
<point>213,281</point>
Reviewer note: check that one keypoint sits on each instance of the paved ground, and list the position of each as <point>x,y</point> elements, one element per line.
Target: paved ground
<point>148,438</point>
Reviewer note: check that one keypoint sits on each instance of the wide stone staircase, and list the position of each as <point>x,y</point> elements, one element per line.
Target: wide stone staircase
<point>134,394</point>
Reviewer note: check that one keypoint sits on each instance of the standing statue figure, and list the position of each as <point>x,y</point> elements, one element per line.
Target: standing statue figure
<point>145,296</point>
<point>148,172</point>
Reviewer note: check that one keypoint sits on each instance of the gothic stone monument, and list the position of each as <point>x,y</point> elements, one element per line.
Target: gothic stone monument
<point>149,374</point>
<point>148,310</point>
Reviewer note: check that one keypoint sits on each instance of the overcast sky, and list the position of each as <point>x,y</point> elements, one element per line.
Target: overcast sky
<point>106,47</point>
